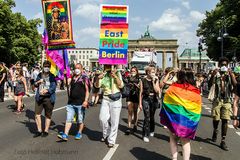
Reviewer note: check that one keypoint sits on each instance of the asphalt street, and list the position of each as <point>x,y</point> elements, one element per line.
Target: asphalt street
<point>17,142</point>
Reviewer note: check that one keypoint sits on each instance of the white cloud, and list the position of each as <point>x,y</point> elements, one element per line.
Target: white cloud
<point>88,11</point>
<point>170,20</point>
<point>186,4</point>
<point>138,19</point>
<point>89,31</point>
<point>38,15</point>
<point>186,39</point>
<point>87,37</point>
<point>89,1</point>
<point>197,16</point>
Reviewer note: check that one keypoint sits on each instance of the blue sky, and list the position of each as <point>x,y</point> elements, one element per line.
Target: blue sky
<point>167,19</point>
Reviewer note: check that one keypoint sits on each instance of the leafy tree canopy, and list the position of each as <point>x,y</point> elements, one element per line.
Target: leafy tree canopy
<point>19,37</point>
<point>227,15</point>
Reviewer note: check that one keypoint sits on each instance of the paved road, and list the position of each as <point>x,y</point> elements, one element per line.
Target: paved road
<point>16,142</point>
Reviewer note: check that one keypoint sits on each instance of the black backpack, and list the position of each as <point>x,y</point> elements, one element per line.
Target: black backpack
<point>125,91</point>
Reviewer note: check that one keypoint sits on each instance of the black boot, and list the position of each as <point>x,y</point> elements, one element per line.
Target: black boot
<point>223,146</point>
<point>214,136</point>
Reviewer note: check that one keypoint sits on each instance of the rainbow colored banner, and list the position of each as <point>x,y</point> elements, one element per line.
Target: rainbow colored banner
<point>57,63</point>
<point>58,23</point>
<point>113,45</point>
<point>114,14</point>
<point>181,110</point>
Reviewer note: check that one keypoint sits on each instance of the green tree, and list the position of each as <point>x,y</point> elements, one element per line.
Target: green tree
<point>19,37</point>
<point>226,12</point>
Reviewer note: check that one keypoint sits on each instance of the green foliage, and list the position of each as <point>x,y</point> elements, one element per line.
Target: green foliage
<point>226,12</point>
<point>19,37</point>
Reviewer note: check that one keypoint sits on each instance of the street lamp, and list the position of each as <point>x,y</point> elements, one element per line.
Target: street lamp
<point>40,54</point>
<point>222,34</point>
<point>200,49</point>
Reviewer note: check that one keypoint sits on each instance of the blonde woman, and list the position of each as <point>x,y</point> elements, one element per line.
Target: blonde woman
<point>149,90</point>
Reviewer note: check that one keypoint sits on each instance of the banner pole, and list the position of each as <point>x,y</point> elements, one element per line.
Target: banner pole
<point>65,72</point>
<point>112,79</point>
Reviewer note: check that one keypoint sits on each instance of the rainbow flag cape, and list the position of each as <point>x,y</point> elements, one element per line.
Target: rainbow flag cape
<point>57,63</point>
<point>181,110</point>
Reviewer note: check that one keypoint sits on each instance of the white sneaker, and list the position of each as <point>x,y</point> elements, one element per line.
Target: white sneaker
<point>165,127</point>
<point>145,139</point>
<point>152,134</point>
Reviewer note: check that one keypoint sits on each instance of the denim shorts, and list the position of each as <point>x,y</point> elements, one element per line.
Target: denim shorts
<point>75,109</point>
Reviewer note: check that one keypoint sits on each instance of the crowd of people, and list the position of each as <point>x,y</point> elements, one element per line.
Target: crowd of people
<point>177,93</point>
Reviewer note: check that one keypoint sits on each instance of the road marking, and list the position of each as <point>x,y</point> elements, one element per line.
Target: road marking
<point>207,108</point>
<point>238,133</point>
<point>111,152</point>
<point>230,126</point>
<point>57,109</point>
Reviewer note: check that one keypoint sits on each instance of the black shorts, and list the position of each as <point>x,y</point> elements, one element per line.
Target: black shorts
<point>95,90</point>
<point>45,104</point>
<point>133,98</point>
<point>32,81</point>
<point>238,90</point>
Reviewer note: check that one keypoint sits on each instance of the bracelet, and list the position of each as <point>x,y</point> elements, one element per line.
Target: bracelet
<point>235,118</point>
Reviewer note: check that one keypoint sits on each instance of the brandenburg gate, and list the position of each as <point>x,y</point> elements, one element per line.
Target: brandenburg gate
<point>167,48</point>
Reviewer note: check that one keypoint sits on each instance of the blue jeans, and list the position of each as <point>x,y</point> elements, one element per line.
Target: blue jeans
<point>75,109</point>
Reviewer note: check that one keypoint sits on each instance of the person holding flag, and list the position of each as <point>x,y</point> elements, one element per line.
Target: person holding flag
<point>77,102</point>
<point>45,98</point>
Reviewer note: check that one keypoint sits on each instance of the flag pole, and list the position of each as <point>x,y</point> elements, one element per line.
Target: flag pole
<point>65,72</point>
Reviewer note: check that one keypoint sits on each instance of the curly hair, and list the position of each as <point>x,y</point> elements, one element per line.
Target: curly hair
<point>223,59</point>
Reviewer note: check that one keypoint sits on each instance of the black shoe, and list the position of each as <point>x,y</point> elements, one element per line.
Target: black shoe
<point>103,139</point>
<point>44,134</point>
<point>90,104</point>
<point>214,136</point>
<point>37,134</point>
<point>223,146</point>
<point>134,128</point>
<point>1,100</point>
<point>127,132</point>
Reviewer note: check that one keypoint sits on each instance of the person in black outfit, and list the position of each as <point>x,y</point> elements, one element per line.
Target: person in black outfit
<point>133,99</point>
<point>236,84</point>
<point>3,74</point>
<point>95,91</point>
<point>149,90</point>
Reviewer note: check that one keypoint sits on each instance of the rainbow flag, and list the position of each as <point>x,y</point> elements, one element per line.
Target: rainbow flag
<point>181,110</point>
<point>113,45</point>
<point>45,37</point>
<point>114,14</point>
<point>56,57</point>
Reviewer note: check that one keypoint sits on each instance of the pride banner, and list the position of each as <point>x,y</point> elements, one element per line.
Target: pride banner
<point>58,24</point>
<point>114,14</point>
<point>113,45</point>
<point>57,63</point>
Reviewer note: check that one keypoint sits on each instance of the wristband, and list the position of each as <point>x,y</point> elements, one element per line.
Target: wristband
<point>235,118</point>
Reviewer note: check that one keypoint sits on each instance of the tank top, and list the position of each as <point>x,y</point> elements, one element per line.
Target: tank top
<point>77,91</point>
<point>19,87</point>
<point>132,82</point>
<point>147,87</point>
